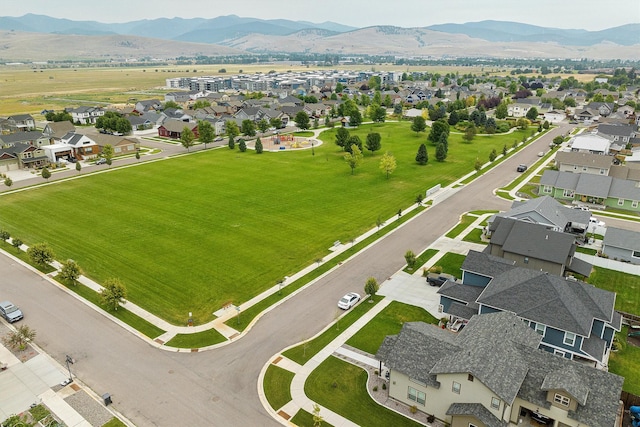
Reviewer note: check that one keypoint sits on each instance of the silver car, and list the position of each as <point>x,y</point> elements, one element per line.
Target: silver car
<point>348,301</point>
<point>10,312</point>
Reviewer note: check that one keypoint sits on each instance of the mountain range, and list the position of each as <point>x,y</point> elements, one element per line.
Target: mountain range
<point>228,35</point>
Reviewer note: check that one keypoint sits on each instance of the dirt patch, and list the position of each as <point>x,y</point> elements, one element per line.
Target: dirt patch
<point>634,341</point>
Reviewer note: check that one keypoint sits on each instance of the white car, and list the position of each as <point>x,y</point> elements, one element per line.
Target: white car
<point>595,222</point>
<point>348,301</point>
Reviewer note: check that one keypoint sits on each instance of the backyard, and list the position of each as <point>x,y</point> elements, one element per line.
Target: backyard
<point>194,233</point>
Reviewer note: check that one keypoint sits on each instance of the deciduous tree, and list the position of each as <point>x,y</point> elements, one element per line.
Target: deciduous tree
<point>70,272</point>
<point>342,136</point>
<point>438,128</point>
<point>187,138</point>
<point>248,128</point>
<point>206,133</point>
<point>371,287</point>
<point>40,253</point>
<point>302,120</point>
<point>45,173</point>
<point>418,124</point>
<point>20,338</point>
<point>353,157</point>
<point>113,293</point>
<point>388,164</point>
<point>373,142</point>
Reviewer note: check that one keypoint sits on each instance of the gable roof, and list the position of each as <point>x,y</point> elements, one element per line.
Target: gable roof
<point>624,239</point>
<point>584,159</point>
<point>486,264</point>
<point>546,210</point>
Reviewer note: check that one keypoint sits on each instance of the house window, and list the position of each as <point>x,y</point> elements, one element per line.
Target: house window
<point>526,260</point>
<point>470,377</point>
<point>440,308</point>
<point>547,189</point>
<point>559,353</point>
<point>540,329</point>
<point>634,204</point>
<point>568,193</point>
<point>416,395</point>
<point>635,254</point>
<point>495,403</point>
<point>569,338</point>
<point>562,400</point>
<point>620,202</point>
<point>455,387</point>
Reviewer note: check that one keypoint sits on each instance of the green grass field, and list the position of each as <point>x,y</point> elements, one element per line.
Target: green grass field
<point>277,386</point>
<point>193,233</point>
<point>626,286</point>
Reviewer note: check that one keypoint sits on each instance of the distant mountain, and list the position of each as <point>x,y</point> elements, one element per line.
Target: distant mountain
<point>499,31</point>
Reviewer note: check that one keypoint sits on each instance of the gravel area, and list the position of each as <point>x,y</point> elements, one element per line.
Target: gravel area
<point>93,411</point>
<point>382,396</point>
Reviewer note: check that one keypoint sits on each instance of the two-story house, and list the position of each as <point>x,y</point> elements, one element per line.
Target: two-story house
<point>590,143</point>
<point>620,134</point>
<point>492,374</point>
<point>573,161</point>
<point>21,123</point>
<point>576,320</point>
<point>85,115</point>
<point>22,156</point>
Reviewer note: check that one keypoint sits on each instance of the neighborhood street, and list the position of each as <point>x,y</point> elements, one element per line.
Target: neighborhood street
<point>160,388</point>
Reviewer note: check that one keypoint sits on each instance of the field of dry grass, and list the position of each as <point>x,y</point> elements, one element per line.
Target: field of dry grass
<point>27,90</point>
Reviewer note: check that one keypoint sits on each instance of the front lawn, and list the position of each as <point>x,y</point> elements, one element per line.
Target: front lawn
<point>342,388</point>
<point>388,322</point>
<point>277,386</point>
<point>625,363</point>
<point>451,263</point>
<point>196,340</point>
<point>193,233</point>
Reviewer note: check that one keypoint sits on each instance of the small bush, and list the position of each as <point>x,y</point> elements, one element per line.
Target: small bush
<point>431,418</point>
<point>384,386</point>
<point>375,388</point>
<point>413,409</point>
<point>436,269</point>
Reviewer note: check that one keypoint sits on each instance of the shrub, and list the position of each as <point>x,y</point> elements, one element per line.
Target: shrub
<point>436,269</point>
<point>384,386</point>
<point>413,409</point>
<point>375,388</point>
<point>431,418</point>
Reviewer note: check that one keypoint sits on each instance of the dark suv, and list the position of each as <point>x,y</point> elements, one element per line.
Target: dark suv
<point>521,168</point>
<point>437,279</point>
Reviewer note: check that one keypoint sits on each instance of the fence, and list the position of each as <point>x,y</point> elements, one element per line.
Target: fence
<point>629,399</point>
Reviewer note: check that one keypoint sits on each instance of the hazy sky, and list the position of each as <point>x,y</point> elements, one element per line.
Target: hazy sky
<point>576,14</point>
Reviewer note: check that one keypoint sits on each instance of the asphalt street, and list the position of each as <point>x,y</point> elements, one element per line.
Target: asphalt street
<point>218,388</point>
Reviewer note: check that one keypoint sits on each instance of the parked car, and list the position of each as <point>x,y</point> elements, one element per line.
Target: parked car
<point>218,139</point>
<point>521,168</point>
<point>101,161</point>
<point>10,312</point>
<point>593,221</point>
<point>438,279</point>
<point>582,208</point>
<point>348,301</point>
<point>541,154</point>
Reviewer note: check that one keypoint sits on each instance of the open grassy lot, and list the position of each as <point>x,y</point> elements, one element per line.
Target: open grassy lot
<point>342,388</point>
<point>193,233</point>
<point>625,362</point>
<point>451,263</point>
<point>388,322</point>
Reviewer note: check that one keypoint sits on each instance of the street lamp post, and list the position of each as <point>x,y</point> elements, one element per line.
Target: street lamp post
<point>69,361</point>
<point>238,317</point>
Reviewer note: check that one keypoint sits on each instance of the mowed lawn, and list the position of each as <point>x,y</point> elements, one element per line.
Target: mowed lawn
<point>192,233</point>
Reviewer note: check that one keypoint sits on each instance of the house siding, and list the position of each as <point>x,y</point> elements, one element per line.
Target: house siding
<point>626,204</point>
<point>473,279</point>
<point>555,413</point>
<point>446,303</point>
<point>620,254</point>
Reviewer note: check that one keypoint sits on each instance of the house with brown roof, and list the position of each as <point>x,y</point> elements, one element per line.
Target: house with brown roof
<point>172,128</point>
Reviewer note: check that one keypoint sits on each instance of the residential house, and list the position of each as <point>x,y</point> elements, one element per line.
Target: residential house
<point>140,122</point>
<point>590,143</point>
<point>622,245</point>
<point>249,113</point>
<point>621,134</point>
<point>536,247</point>
<point>21,122</point>
<point>22,155</point>
<point>548,212</point>
<point>176,114</point>
<point>83,146</point>
<point>85,115</point>
<point>32,137</point>
<point>603,108</point>
<point>630,171</point>
<point>575,319</point>
<point>315,110</point>
<point>600,191</point>
<point>147,105</point>
<point>121,144</point>
<point>491,374</point>
<point>573,161</point>
<point>521,106</point>
<point>586,115</point>
<point>56,130</point>
<point>172,128</point>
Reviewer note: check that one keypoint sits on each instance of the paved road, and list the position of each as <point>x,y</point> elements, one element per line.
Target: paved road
<point>158,388</point>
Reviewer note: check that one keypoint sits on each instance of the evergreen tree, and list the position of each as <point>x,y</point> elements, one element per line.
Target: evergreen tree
<point>422,157</point>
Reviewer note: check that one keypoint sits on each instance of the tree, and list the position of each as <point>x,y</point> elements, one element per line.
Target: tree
<point>371,287</point>
<point>206,133</point>
<point>353,157</point>
<point>4,235</point>
<point>388,163</point>
<point>187,138</point>
<point>342,136</point>
<point>469,132</point>
<point>201,103</point>
<point>501,111</point>
<point>45,173</point>
<point>444,140</point>
<point>113,293</point>
<point>355,118</point>
<point>373,142</point>
<point>16,243</point>
<point>558,140</point>
<point>410,258</point>
<point>522,123</point>
<point>397,109</point>
<point>422,157</point>
<point>9,182</point>
<point>276,122</point>
<point>504,150</point>
<point>354,140</point>
<point>231,128</point>
<point>20,338</point>
<point>70,271</point>
<point>546,125</point>
<point>79,166</point>
<point>40,254</point>
<point>441,152</point>
<point>259,147</point>
<point>478,165</point>
<point>138,155</point>
<point>108,152</point>
<point>242,145</point>
<point>248,128</point>
<point>378,114</point>
<point>263,125</point>
<point>317,418</point>
<point>418,124</point>
<point>302,120</point>
<point>493,155</point>
<point>232,143</point>
<point>532,114</point>
<point>439,127</point>
<point>454,118</point>
<point>171,104</point>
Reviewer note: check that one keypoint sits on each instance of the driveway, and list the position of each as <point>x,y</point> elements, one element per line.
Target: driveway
<point>159,388</point>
